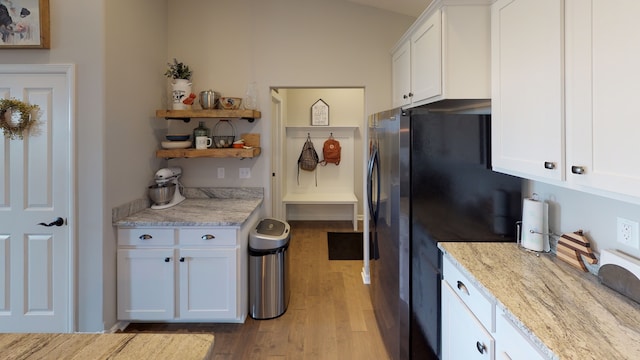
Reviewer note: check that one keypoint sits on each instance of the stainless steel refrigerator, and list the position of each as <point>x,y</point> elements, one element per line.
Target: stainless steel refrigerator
<point>429,180</point>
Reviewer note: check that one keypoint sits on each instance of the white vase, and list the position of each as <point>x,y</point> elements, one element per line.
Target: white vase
<point>180,90</point>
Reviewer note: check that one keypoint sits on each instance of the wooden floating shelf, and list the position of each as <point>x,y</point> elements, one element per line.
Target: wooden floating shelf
<point>250,139</point>
<point>208,153</point>
<point>187,115</point>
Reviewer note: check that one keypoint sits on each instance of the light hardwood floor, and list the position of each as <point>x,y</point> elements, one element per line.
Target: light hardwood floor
<point>329,315</point>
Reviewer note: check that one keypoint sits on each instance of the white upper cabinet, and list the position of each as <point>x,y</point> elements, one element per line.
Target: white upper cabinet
<point>527,88</point>
<point>444,55</point>
<point>565,81</point>
<point>401,75</point>
<point>603,83</point>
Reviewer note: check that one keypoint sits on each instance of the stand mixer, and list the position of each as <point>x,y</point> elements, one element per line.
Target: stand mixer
<point>166,193</point>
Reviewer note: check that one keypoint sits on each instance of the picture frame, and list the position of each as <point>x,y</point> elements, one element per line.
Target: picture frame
<point>320,113</point>
<point>24,24</point>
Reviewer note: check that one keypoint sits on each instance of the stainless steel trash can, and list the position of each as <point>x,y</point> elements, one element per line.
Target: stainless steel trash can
<point>269,269</point>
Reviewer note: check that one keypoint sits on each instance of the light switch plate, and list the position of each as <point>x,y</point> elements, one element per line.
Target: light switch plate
<point>220,173</point>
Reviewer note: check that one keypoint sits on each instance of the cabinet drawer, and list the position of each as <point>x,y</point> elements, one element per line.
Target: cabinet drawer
<point>482,307</point>
<point>146,236</point>
<point>512,343</point>
<point>207,236</point>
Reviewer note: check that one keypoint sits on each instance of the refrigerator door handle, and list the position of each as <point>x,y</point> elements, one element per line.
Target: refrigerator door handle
<point>374,202</point>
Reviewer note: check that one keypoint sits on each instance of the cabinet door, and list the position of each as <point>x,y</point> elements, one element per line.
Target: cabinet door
<point>426,58</point>
<point>527,88</point>
<point>145,283</point>
<point>603,83</point>
<point>463,336</point>
<point>401,75</point>
<point>208,283</point>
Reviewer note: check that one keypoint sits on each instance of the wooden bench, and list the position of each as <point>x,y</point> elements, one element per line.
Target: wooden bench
<point>324,199</point>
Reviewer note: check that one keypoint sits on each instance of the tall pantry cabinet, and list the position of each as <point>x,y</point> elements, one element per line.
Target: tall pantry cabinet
<point>564,81</point>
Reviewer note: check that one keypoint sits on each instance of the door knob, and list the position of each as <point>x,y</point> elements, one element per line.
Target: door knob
<point>57,222</point>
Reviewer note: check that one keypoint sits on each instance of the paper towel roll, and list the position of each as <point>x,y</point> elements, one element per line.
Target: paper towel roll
<point>535,225</point>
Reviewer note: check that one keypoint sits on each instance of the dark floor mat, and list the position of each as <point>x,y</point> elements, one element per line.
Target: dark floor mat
<point>345,245</point>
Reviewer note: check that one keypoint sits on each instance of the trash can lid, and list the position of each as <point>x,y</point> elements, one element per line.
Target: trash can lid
<point>271,227</point>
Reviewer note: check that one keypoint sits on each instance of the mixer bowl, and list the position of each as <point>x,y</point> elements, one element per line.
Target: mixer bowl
<point>162,194</point>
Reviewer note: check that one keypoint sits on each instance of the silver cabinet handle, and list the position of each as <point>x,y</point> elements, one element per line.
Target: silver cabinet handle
<point>481,347</point>
<point>208,237</point>
<point>145,237</point>
<point>578,170</point>
<point>462,287</point>
<point>549,165</point>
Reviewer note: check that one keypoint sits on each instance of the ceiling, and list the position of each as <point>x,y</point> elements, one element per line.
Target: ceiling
<point>406,7</point>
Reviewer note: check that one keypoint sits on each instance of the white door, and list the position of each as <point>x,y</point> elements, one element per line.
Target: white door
<point>36,261</point>
<point>276,155</point>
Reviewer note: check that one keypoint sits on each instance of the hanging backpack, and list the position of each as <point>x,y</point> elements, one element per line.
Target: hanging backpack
<point>308,159</point>
<point>331,151</point>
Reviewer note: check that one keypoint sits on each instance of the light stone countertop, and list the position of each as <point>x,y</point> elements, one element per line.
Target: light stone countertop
<point>195,212</point>
<point>568,313</point>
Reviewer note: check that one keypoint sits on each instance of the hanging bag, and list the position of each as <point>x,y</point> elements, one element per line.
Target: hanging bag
<point>308,159</point>
<point>331,151</point>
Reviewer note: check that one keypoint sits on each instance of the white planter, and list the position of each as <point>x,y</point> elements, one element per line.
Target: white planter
<point>180,90</point>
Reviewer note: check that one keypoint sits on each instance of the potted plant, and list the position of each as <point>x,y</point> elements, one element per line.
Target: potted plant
<point>178,70</point>
<point>181,96</point>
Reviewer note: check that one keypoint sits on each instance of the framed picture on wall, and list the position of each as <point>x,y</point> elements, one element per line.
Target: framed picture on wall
<point>320,113</point>
<point>24,24</point>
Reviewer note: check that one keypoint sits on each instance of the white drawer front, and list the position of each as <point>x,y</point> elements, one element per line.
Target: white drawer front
<point>146,236</point>
<point>207,236</point>
<point>482,307</point>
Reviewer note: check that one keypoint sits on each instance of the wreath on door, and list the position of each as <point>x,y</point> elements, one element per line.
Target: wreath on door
<point>17,117</point>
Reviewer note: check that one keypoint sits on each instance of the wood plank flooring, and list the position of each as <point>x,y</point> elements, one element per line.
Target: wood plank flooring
<point>329,315</point>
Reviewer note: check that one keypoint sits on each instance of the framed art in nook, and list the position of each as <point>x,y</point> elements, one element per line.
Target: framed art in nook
<point>24,24</point>
<point>320,113</point>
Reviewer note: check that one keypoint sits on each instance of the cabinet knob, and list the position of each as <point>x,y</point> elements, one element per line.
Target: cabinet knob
<point>410,94</point>
<point>549,165</point>
<point>167,259</point>
<point>145,237</point>
<point>462,287</point>
<point>208,237</point>
<point>481,347</point>
<point>182,259</point>
<point>579,170</point>
<point>405,96</point>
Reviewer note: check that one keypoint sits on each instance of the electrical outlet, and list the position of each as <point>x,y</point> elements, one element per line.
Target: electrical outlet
<point>220,173</point>
<point>245,173</point>
<point>628,233</point>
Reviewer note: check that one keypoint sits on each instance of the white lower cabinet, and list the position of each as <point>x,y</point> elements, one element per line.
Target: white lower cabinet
<point>203,293</point>
<point>511,343</point>
<point>182,274</point>
<point>145,284</point>
<point>463,336</point>
<point>470,327</point>
<point>468,318</point>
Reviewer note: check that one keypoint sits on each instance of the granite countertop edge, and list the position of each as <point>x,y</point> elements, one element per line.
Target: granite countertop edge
<point>549,294</point>
<point>202,207</point>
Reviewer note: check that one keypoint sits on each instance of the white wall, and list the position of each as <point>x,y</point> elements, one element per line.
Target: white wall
<point>571,210</point>
<point>77,36</point>
<point>278,43</point>
<point>136,58</point>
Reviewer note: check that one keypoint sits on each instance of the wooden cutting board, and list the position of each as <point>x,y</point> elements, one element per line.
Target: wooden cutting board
<point>570,248</point>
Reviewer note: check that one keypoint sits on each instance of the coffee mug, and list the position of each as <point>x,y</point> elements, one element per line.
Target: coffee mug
<point>203,142</point>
